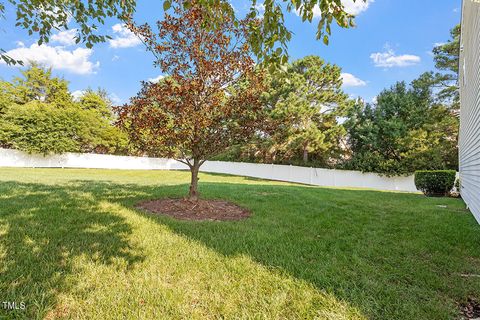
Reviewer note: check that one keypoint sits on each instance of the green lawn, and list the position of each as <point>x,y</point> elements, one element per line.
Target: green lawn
<point>73,246</point>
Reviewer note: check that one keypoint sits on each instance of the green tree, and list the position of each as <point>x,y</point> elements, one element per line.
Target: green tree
<point>97,101</point>
<point>446,55</point>
<point>412,128</point>
<point>5,99</point>
<point>268,37</point>
<point>37,115</point>
<point>38,127</point>
<point>43,17</point>
<point>305,104</point>
<point>447,60</point>
<point>406,130</point>
<point>38,84</point>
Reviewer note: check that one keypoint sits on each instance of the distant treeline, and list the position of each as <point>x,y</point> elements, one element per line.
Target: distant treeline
<point>311,121</point>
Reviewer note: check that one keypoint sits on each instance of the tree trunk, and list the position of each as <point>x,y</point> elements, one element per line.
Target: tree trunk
<point>305,155</point>
<point>193,192</point>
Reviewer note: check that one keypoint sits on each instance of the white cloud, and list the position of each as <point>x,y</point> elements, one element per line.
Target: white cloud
<point>349,80</point>
<point>389,59</point>
<point>352,7</point>
<point>77,94</point>
<point>20,44</point>
<point>115,58</point>
<point>76,61</point>
<point>66,37</point>
<point>317,13</point>
<point>125,38</point>
<point>156,79</point>
<point>356,7</point>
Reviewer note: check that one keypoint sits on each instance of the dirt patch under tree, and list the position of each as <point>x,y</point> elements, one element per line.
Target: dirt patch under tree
<point>184,209</point>
<point>471,309</point>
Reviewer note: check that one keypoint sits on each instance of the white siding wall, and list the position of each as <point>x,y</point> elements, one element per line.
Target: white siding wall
<point>469,145</point>
<point>312,176</point>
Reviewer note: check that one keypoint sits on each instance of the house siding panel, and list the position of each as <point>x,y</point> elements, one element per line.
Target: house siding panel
<point>469,142</point>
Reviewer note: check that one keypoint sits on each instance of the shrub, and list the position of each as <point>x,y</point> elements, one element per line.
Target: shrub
<point>435,182</point>
<point>44,128</point>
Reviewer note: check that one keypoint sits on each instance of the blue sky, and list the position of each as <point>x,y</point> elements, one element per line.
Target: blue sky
<point>392,41</point>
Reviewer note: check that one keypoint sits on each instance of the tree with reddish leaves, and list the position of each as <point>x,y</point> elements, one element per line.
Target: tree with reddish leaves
<point>210,96</point>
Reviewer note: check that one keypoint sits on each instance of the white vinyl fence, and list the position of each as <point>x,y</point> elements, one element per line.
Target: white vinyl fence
<point>311,176</point>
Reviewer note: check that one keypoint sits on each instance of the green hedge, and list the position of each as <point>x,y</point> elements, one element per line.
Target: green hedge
<point>435,182</point>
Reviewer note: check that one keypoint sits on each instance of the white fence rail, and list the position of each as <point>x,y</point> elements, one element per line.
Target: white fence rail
<point>311,176</point>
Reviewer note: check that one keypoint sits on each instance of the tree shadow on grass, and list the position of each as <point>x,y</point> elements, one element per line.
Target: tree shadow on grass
<point>43,229</point>
<point>391,255</point>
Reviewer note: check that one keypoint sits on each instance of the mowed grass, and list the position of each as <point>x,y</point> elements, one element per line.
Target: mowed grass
<point>73,246</point>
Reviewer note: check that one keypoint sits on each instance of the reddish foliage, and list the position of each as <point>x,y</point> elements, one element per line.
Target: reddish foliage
<point>210,97</point>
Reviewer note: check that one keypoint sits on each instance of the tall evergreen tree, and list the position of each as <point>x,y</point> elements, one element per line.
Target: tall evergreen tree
<point>447,60</point>
<point>305,103</point>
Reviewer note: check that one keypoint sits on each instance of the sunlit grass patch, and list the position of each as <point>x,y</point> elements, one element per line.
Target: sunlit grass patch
<point>72,245</point>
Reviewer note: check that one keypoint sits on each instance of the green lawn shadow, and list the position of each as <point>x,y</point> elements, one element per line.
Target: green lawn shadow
<point>391,255</point>
<point>43,228</point>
